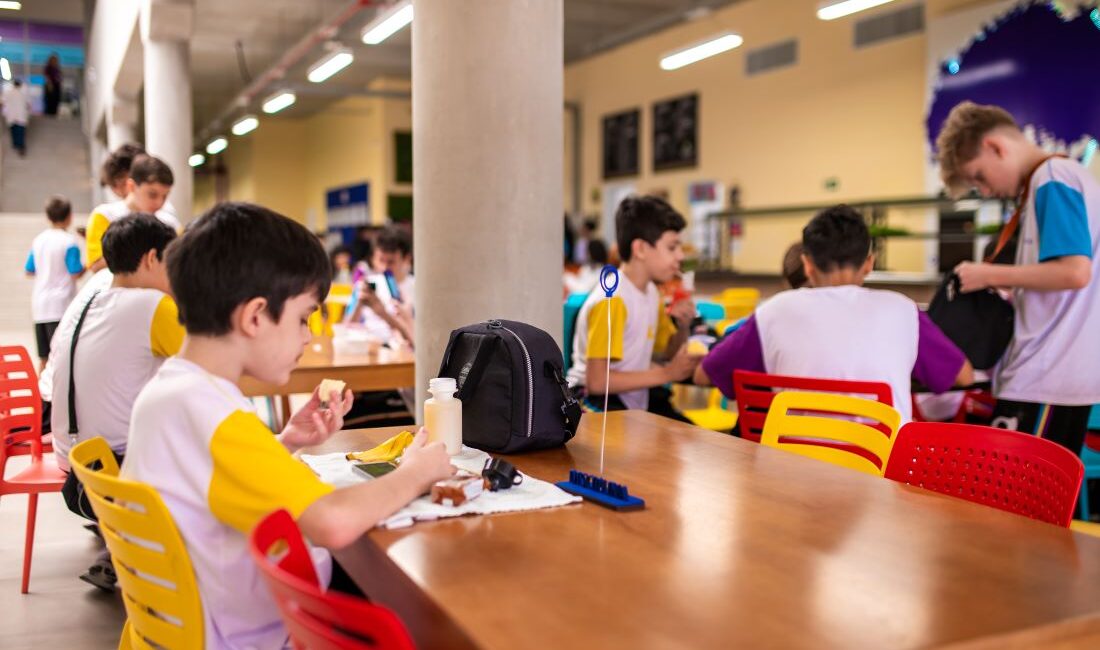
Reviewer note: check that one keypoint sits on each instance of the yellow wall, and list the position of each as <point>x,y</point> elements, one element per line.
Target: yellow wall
<point>288,163</point>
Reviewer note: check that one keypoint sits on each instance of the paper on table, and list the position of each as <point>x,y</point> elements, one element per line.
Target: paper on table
<point>531,494</point>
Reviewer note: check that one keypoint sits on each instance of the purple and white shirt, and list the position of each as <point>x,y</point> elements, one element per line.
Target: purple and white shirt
<point>844,332</point>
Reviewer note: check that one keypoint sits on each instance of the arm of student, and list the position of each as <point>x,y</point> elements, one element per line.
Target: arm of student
<point>740,350</point>
<point>97,225</point>
<point>1057,274</point>
<point>940,363</point>
<point>341,517</point>
<point>622,381</point>
<point>672,329</point>
<point>165,332</point>
<point>72,262</point>
<point>29,266</point>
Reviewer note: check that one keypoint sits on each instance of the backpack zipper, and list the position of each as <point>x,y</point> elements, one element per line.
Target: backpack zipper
<point>530,375</point>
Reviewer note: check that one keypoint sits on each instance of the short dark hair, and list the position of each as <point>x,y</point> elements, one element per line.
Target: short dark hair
<point>837,237</point>
<point>597,252</point>
<point>147,169</point>
<point>240,251</point>
<point>395,240</point>
<point>118,163</point>
<point>131,238</point>
<point>793,270</point>
<point>58,209</point>
<point>644,217</point>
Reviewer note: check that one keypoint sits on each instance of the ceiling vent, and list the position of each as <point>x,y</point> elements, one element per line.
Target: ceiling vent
<point>887,26</point>
<point>771,57</point>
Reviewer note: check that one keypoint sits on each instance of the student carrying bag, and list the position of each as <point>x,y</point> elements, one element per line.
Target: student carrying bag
<point>981,323</point>
<point>512,387</point>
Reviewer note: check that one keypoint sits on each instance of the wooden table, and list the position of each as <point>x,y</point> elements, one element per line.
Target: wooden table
<point>740,546</point>
<point>384,369</point>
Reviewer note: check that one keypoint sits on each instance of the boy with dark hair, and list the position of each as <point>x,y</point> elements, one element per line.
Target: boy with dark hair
<point>394,313</point>
<point>122,335</point>
<point>54,262</point>
<point>838,329</point>
<point>1048,378</point>
<point>115,170</point>
<point>641,331</point>
<point>246,280</point>
<point>147,190</point>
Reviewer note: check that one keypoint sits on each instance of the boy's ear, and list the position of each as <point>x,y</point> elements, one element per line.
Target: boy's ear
<point>637,248</point>
<point>808,266</point>
<point>868,265</point>
<point>131,186</point>
<point>148,259</point>
<point>247,318</point>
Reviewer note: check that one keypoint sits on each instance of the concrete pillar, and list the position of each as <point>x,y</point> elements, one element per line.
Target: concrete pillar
<point>487,161</point>
<point>96,155</point>
<point>165,29</point>
<point>122,119</point>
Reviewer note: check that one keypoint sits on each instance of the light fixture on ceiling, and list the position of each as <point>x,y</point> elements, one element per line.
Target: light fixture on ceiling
<point>246,124</point>
<point>700,51</point>
<point>333,62</point>
<point>388,22</point>
<point>279,101</point>
<point>196,159</point>
<point>217,145</point>
<point>14,6</point>
<point>5,70</point>
<point>841,8</point>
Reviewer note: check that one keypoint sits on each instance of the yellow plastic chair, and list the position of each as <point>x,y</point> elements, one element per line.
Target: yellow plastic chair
<point>153,568</point>
<point>738,302</point>
<point>1086,527</point>
<point>714,416</point>
<point>805,423</point>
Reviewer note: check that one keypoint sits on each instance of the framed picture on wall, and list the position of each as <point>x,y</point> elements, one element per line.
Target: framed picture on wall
<point>403,156</point>
<point>675,133</point>
<point>620,144</point>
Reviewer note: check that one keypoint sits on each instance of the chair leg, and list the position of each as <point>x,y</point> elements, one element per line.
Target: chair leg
<point>32,513</point>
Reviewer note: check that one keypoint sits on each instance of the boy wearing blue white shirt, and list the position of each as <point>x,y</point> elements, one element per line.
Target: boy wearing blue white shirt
<point>54,262</point>
<point>1049,377</point>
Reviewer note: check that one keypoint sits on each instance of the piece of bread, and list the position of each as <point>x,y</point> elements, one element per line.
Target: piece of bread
<point>328,387</point>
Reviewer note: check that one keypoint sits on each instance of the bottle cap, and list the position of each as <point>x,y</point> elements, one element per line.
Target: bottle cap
<point>443,385</point>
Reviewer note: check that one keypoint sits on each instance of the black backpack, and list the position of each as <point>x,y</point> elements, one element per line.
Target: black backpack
<point>512,387</point>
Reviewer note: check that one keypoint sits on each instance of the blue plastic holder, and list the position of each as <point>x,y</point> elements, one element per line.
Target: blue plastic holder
<point>601,491</point>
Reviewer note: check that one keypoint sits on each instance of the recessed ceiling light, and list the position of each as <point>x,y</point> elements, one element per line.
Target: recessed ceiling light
<point>841,8</point>
<point>388,23</point>
<point>332,63</point>
<point>279,101</point>
<point>708,48</point>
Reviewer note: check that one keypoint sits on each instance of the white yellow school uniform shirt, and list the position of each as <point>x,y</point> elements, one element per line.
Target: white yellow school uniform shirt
<point>638,327</point>
<point>106,214</point>
<point>126,336</point>
<point>197,440</point>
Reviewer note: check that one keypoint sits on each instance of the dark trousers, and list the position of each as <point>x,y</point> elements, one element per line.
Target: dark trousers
<point>19,137</point>
<point>1065,425</point>
<point>75,497</point>
<point>659,403</point>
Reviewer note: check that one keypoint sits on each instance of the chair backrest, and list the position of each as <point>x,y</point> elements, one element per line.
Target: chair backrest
<point>738,302</point>
<point>1004,469</point>
<point>710,311</point>
<point>316,619</point>
<point>755,391</point>
<point>571,311</point>
<point>153,568</point>
<point>839,429</point>
<point>20,403</point>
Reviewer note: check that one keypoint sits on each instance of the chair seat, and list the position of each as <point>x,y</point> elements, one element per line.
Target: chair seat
<point>24,448</point>
<point>44,476</point>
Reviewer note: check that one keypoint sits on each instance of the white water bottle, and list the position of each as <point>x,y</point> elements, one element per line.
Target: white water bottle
<point>443,414</point>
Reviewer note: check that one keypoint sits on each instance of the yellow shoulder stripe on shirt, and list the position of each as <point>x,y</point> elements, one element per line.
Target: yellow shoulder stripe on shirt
<point>97,225</point>
<point>165,332</point>
<point>597,328</point>
<point>254,474</point>
<point>666,328</point>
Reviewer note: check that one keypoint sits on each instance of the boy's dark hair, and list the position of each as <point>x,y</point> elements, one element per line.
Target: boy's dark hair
<point>58,209</point>
<point>118,163</point>
<point>240,251</point>
<point>147,169</point>
<point>646,218</point>
<point>836,238</point>
<point>597,252</point>
<point>131,238</point>
<point>793,271</point>
<point>395,240</point>
<point>591,225</point>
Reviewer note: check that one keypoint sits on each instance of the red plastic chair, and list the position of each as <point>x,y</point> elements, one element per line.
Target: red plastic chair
<point>20,421</point>
<point>318,620</point>
<point>755,391</point>
<point>1004,469</point>
<point>18,379</point>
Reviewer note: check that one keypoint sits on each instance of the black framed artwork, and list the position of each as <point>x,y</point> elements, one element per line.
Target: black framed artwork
<point>620,143</point>
<point>675,133</point>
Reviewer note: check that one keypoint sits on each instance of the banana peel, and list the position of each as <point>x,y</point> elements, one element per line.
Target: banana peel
<point>387,452</point>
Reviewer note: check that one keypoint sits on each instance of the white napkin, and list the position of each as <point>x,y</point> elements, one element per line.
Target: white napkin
<point>531,494</point>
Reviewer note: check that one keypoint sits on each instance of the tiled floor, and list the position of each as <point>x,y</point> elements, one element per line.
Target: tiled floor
<point>60,611</point>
